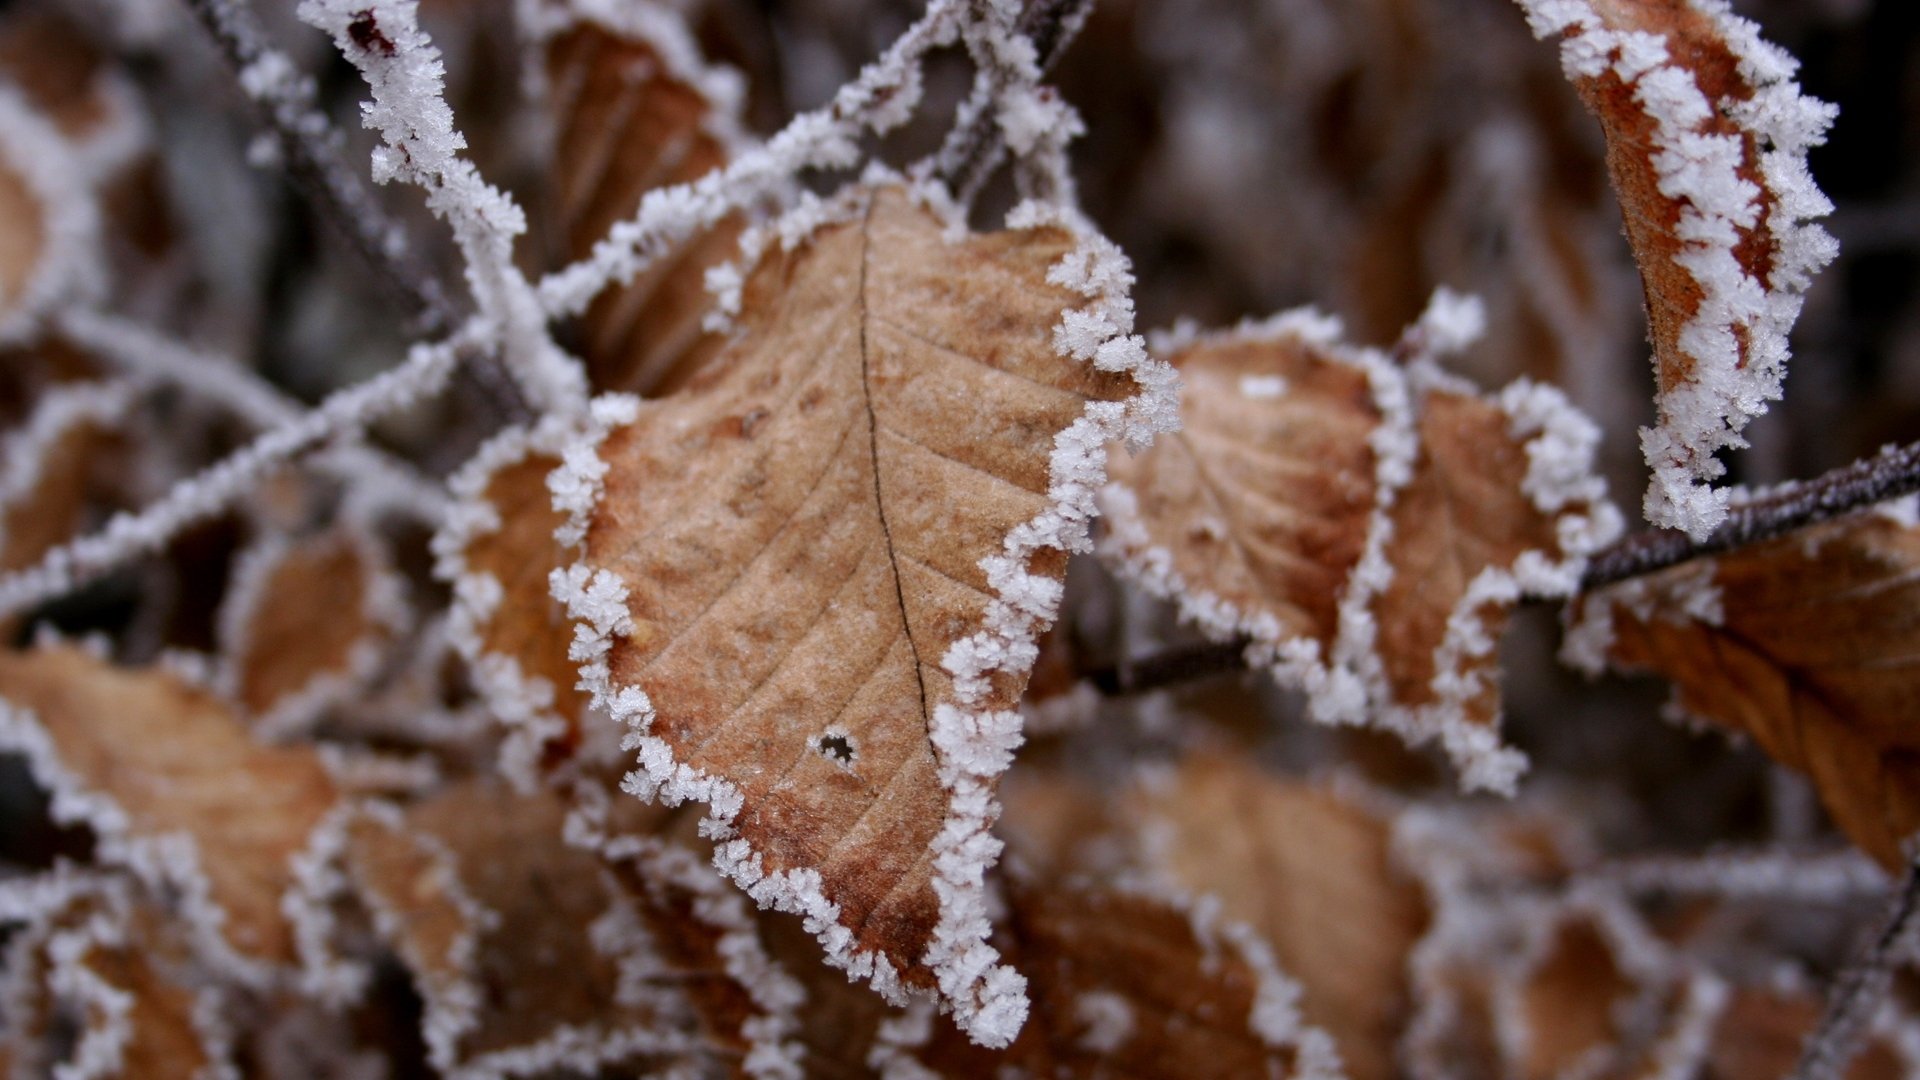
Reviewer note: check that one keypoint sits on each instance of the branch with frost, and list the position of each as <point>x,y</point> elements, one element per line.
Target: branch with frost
<point>150,357</point>
<point>1767,515</point>
<point>421,145</point>
<point>129,535</point>
<point>1862,988</point>
<point>1005,92</point>
<point>311,149</point>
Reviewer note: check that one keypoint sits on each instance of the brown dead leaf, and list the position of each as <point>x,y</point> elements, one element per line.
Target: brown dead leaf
<point>21,237</point>
<point>791,558</point>
<point>1762,1031</point>
<point>1368,526</point>
<point>50,466</point>
<point>1309,870</point>
<point>500,922</point>
<point>633,113</point>
<point>171,784</point>
<point>507,626</point>
<point>1807,644</point>
<point>304,623</point>
<point>1707,137</point>
<point>160,1033</point>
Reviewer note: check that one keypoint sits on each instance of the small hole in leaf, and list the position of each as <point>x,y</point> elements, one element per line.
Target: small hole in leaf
<point>837,747</point>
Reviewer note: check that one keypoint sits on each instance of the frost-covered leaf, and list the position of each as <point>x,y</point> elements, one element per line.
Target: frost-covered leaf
<point>174,788</point>
<point>636,108</point>
<point>103,984</point>
<point>50,464</point>
<point>1367,525</point>
<point>515,940</point>
<point>1126,981</point>
<point>1310,871</point>
<point>497,551</point>
<point>811,580</point>
<point>1806,644</point>
<point>305,622</point>
<point>1707,136</point>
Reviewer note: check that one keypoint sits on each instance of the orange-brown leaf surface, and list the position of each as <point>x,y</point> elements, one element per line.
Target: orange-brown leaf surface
<point>51,466</point>
<point>1310,871</point>
<point>790,559</point>
<point>1706,142</point>
<point>1807,645</point>
<point>1367,526</point>
<point>148,761</point>
<point>495,916</point>
<point>510,629</point>
<point>307,620</point>
<point>629,120</point>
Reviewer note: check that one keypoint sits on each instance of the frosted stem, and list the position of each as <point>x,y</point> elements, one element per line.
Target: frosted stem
<point>975,146</point>
<point>1862,988</point>
<point>129,535</point>
<point>315,165</point>
<point>1893,472</point>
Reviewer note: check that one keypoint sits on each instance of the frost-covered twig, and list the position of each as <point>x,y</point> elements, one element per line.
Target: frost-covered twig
<point>977,144</point>
<point>310,147</point>
<point>1862,988</point>
<point>421,146</point>
<point>1893,472</point>
<point>149,356</point>
<point>129,535</point>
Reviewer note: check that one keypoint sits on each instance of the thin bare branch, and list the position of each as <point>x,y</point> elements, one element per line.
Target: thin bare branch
<point>1170,667</point>
<point>1861,989</point>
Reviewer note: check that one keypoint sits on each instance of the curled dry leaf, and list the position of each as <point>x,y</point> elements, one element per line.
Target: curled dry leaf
<point>811,581</point>
<point>174,788</point>
<point>1807,644</point>
<point>636,109</point>
<point>1310,870</point>
<point>1762,1030</point>
<point>1707,136</point>
<point>1367,525</point>
<point>304,624</point>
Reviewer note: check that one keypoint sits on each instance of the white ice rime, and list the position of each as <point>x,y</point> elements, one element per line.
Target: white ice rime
<point>1736,338</point>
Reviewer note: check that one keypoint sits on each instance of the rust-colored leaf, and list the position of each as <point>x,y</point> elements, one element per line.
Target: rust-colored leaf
<point>49,466</point>
<point>502,924</point>
<point>1367,525</point>
<point>1807,644</point>
<point>1310,871</point>
<point>635,109</point>
<point>305,622</point>
<point>1707,136</point>
<point>173,786</point>
<point>812,579</point>
<point>1762,1032</point>
<point>497,555</point>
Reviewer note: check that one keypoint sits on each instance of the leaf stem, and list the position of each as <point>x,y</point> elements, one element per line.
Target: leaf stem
<point>1861,989</point>
<point>1169,667</point>
<point>1893,472</point>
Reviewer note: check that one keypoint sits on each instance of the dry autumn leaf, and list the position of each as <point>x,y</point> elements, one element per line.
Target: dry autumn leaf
<point>174,788</point>
<point>1310,870</point>
<point>1707,135</point>
<point>1366,525</point>
<point>48,465</point>
<point>1761,1030</point>
<point>1806,644</point>
<point>304,624</point>
<point>515,940</point>
<point>636,109</point>
<point>811,580</point>
<point>497,553</point>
